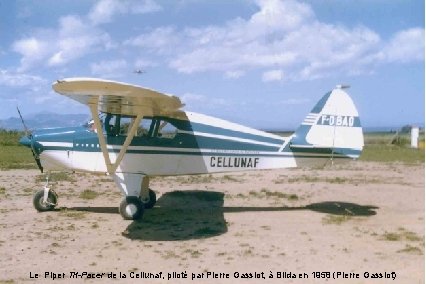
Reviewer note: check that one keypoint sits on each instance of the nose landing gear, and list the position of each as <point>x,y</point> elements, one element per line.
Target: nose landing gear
<point>45,199</point>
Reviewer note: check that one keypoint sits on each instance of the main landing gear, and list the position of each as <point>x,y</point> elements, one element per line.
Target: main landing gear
<point>132,207</point>
<point>136,201</point>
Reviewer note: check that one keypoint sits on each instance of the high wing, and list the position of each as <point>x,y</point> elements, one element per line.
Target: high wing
<point>118,98</point>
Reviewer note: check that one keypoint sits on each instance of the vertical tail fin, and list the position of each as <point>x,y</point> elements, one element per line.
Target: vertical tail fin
<point>333,126</point>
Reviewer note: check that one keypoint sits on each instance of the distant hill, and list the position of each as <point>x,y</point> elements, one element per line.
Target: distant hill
<point>44,120</point>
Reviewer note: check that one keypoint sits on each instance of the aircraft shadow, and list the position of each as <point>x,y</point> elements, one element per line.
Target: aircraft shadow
<point>185,215</point>
<point>197,214</point>
<point>103,210</point>
<point>181,215</point>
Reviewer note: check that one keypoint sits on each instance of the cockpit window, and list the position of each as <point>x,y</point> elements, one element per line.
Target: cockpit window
<point>112,124</point>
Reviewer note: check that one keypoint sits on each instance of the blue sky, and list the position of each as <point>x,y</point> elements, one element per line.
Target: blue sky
<point>262,63</point>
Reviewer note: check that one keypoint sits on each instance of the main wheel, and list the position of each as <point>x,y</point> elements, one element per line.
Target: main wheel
<point>40,205</point>
<point>131,208</point>
<point>148,204</point>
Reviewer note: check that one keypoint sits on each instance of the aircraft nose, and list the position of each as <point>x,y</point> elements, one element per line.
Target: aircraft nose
<point>25,141</point>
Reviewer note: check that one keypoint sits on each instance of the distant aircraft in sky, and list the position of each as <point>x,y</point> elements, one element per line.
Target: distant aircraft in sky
<point>143,133</point>
<point>139,71</point>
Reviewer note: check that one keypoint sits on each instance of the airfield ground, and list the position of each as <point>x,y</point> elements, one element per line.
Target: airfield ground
<point>357,218</point>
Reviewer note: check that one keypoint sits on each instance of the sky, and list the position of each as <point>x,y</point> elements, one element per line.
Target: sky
<point>261,63</point>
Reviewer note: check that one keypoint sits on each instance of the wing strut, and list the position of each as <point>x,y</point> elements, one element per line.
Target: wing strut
<point>112,167</point>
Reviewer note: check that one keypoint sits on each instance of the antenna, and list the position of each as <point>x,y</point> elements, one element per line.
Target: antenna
<point>334,137</point>
<point>342,86</point>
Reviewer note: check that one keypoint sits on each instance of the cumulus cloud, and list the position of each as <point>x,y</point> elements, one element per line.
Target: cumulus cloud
<point>76,39</point>
<point>406,46</point>
<point>281,35</point>
<point>202,102</point>
<point>32,50</point>
<point>105,10</point>
<point>163,40</point>
<point>72,39</point>
<point>14,79</point>
<point>111,68</point>
<point>293,101</point>
<point>272,75</point>
<point>76,36</point>
<point>144,63</point>
<point>234,74</point>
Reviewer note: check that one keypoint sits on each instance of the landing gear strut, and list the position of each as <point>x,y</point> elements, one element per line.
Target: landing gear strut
<point>45,199</point>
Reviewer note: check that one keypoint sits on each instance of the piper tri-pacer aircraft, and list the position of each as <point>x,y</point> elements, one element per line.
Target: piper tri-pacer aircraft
<point>137,133</point>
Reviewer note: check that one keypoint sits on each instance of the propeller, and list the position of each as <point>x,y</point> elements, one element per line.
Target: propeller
<point>30,141</point>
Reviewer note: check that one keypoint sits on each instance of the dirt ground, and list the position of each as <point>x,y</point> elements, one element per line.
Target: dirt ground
<point>350,223</point>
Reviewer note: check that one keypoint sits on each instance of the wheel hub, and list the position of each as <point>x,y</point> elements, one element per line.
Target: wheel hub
<point>131,209</point>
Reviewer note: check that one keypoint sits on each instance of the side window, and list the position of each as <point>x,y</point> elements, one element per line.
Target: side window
<point>117,125</point>
<point>146,127</point>
<point>166,130</point>
<point>125,125</point>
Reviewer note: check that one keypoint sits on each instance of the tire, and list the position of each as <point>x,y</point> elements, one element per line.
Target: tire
<point>40,206</point>
<point>152,200</point>
<point>131,208</point>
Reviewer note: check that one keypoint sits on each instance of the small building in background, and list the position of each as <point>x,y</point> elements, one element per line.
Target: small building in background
<point>415,136</point>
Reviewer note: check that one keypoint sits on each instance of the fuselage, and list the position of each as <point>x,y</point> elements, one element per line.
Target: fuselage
<point>194,144</point>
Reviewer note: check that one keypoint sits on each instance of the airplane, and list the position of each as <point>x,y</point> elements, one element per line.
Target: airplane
<point>137,133</point>
<point>139,71</point>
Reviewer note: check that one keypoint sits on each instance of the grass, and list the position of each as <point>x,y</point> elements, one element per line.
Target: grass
<point>195,179</point>
<point>393,237</point>
<point>88,194</point>
<point>230,178</point>
<point>401,234</point>
<point>10,137</point>
<point>392,153</point>
<point>169,254</point>
<point>76,215</point>
<point>388,148</point>
<point>304,178</point>
<point>16,157</point>
<point>290,197</point>
<point>10,281</point>
<point>411,249</point>
<point>12,154</point>
<point>193,253</point>
<point>265,193</point>
<point>55,177</point>
<point>335,219</point>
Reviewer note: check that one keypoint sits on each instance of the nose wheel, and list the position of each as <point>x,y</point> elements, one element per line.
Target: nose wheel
<point>43,205</point>
<point>45,199</point>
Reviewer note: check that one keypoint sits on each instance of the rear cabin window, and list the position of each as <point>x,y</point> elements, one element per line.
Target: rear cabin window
<point>166,130</point>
